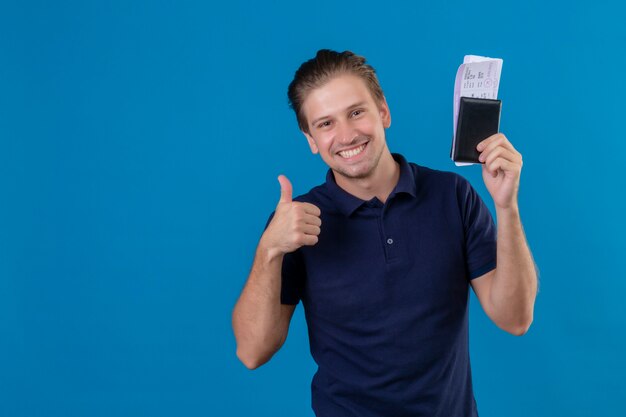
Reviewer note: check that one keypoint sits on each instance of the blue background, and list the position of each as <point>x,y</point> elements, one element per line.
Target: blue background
<point>139,149</point>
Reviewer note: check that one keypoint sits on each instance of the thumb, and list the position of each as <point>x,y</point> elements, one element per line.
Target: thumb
<point>285,189</point>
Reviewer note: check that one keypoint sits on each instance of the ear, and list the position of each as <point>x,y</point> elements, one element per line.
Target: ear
<point>385,114</point>
<point>312,143</point>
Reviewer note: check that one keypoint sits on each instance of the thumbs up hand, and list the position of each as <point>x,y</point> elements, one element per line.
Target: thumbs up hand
<point>294,224</point>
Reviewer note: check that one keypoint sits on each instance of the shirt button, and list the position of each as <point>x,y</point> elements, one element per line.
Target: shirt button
<point>390,241</point>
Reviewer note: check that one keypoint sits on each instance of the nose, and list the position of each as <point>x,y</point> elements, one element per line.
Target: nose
<point>345,134</point>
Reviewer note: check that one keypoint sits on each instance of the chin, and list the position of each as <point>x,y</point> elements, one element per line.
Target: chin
<point>362,172</point>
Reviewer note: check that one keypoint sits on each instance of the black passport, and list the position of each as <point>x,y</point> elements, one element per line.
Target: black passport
<point>478,119</point>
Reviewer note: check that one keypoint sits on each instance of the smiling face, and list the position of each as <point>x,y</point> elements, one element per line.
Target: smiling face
<point>347,126</point>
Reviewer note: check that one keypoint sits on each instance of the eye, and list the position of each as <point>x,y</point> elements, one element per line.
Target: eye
<point>323,124</point>
<point>356,112</point>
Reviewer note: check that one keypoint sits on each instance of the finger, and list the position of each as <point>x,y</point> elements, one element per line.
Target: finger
<point>499,153</point>
<point>500,149</point>
<point>486,142</point>
<point>499,141</point>
<point>488,169</point>
<point>495,140</point>
<point>286,189</point>
<point>310,229</point>
<point>309,240</point>
<point>311,219</point>
<point>500,164</point>
<point>311,209</point>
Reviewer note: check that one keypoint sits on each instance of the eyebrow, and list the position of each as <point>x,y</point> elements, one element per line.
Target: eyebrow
<point>319,119</point>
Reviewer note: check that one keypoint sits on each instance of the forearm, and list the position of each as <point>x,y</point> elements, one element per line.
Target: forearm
<point>514,286</point>
<point>257,319</point>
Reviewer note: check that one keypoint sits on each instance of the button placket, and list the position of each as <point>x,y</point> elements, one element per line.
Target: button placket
<point>389,238</point>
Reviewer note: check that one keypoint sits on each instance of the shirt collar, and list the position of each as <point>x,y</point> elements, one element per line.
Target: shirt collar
<point>348,203</point>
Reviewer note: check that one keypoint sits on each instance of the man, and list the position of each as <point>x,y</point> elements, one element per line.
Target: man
<point>382,255</point>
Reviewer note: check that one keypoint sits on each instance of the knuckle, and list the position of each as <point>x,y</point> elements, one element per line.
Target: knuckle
<point>287,207</point>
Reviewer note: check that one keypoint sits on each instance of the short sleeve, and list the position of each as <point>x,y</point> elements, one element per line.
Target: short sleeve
<point>292,275</point>
<point>479,228</point>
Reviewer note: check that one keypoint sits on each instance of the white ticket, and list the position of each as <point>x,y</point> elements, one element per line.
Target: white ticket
<point>478,77</point>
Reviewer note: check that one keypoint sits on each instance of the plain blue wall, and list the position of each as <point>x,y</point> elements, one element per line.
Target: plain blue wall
<point>139,149</point>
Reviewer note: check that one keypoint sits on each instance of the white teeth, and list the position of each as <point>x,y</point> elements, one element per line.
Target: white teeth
<point>352,152</point>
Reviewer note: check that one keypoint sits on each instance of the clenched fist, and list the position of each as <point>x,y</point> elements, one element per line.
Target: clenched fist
<point>294,224</point>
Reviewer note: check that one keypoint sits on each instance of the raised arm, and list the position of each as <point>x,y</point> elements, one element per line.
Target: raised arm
<point>507,294</point>
<point>260,322</point>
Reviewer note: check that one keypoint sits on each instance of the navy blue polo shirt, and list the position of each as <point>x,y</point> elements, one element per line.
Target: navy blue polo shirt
<point>385,293</point>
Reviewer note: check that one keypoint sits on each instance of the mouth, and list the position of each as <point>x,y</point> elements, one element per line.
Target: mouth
<point>352,152</point>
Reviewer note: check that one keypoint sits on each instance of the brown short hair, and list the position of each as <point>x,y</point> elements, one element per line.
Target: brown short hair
<point>319,70</point>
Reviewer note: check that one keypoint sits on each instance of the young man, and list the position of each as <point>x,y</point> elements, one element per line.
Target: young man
<point>382,255</point>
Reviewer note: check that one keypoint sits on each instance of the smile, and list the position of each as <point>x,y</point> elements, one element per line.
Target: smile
<point>352,152</point>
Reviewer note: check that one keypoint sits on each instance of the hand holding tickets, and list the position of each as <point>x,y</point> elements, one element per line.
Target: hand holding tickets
<point>476,112</point>
<point>476,123</point>
<point>295,224</point>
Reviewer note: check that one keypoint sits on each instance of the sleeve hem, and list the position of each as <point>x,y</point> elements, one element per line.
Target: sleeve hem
<point>289,301</point>
<point>482,270</point>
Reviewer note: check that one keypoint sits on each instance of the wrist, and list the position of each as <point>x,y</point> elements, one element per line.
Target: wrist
<point>510,212</point>
<point>268,251</point>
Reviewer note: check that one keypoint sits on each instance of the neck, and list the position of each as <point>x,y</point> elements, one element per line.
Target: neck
<point>380,183</point>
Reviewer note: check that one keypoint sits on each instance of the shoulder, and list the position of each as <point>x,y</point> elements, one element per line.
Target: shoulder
<point>318,196</point>
<point>438,179</point>
<point>446,191</point>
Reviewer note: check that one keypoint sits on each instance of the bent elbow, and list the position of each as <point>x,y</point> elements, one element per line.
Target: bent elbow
<point>520,329</point>
<point>248,361</point>
<point>251,362</point>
